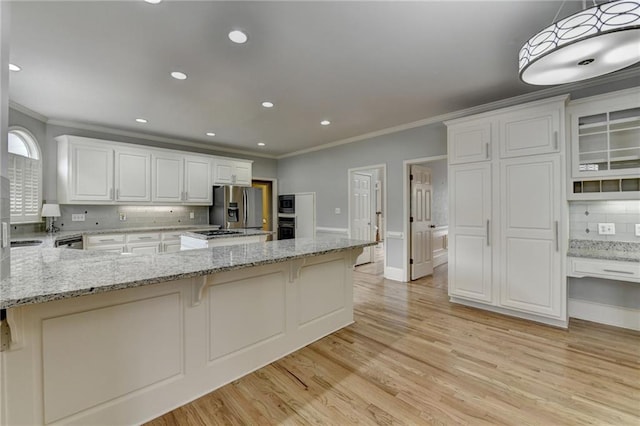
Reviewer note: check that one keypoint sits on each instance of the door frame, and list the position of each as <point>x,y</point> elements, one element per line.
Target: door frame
<point>385,186</point>
<point>406,210</point>
<point>274,203</point>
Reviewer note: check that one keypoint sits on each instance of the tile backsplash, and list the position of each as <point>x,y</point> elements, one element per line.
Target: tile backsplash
<point>585,216</point>
<point>108,217</point>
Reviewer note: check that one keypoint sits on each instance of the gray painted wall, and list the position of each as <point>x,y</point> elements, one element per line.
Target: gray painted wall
<point>325,172</point>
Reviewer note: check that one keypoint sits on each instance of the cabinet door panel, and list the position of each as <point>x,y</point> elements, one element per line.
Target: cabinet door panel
<point>470,260</point>
<point>529,132</point>
<point>198,186</point>
<point>243,173</point>
<point>133,176</point>
<point>91,173</point>
<point>168,173</point>
<point>223,172</point>
<point>470,143</point>
<point>530,275</point>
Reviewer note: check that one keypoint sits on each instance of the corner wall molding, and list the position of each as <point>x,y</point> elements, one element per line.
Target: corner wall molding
<point>503,103</point>
<point>27,111</point>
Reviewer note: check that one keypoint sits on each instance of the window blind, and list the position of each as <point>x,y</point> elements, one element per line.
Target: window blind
<point>24,177</point>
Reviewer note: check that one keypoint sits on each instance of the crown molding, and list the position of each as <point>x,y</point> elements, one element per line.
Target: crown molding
<point>27,111</point>
<point>154,138</point>
<point>503,103</point>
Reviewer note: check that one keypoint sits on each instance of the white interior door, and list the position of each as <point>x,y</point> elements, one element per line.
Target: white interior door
<point>421,252</point>
<point>361,224</point>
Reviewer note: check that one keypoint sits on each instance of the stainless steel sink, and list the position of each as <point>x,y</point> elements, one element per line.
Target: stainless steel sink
<point>26,243</point>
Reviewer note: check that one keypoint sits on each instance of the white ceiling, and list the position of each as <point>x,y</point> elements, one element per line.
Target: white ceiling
<point>365,66</point>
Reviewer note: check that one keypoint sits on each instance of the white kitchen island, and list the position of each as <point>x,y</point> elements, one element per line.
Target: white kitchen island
<point>98,338</point>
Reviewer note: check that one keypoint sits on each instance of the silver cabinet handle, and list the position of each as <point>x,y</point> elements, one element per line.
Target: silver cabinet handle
<point>618,272</point>
<point>145,238</point>
<point>555,140</point>
<point>557,239</point>
<point>104,240</point>
<point>486,150</point>
<point>186,195</point>
<point>111,194</point>
<point>118,194</point>
<point>488,241</point>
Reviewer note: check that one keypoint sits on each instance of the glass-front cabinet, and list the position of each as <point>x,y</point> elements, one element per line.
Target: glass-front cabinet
<point>609,141</point>
<point>605,145</point>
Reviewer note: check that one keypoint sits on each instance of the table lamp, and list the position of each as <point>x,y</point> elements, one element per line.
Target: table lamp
<point>51,211</point>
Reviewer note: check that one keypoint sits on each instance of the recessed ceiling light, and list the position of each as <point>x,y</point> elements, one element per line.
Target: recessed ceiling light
<point>152,1</point>
<point>261,144</point>
<point>179,75</point>
<point>210,134</point>
<point>267,104</point>
<point>141,120</point>
<point>238,36</point>
<point>325,122</point>
<point>14,67</point>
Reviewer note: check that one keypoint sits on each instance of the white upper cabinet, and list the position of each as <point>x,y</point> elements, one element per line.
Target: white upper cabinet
<point>197,180</point>
<point>85,171</point>
<point>132,175</point>
<point>168,177</point>
<point>93,171</point>
<point>531,131</point>
<point>605,135</point>
<point>181,179</point>
<point>232,172</point>
<point>470,142</point>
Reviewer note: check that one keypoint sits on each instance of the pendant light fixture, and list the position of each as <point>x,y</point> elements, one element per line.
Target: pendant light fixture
<point>596,41</point>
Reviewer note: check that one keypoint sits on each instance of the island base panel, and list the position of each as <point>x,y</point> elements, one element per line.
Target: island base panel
<point>128,356</point>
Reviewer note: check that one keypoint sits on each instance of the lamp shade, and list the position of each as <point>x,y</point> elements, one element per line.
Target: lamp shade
<point>51,210</point>
<point>590,43</point>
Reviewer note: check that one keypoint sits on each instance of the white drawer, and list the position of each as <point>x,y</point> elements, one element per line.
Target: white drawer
<point>142,237</point>
<point>172,236</point>
<point>105,239</point>
<point>610,269</point>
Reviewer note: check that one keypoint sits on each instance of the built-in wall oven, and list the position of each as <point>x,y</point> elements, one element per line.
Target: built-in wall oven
<point>286,227</point>
<point>287,204</point>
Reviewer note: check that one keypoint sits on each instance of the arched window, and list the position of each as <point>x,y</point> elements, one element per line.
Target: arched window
<point>25,176</point>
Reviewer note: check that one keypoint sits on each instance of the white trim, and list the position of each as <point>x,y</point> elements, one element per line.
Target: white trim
<point>325,230</point>
<point>617,316</point>
<point>406,166</point>
<point>562,89</point>
<point>27,111</point>
<point>395,274</point>
<point>154,138</point>
<point>511,313</point>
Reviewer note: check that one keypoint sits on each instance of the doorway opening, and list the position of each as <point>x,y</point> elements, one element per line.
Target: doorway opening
<point>367,210</point>
<point>425,218</point>
<point>269,204</point>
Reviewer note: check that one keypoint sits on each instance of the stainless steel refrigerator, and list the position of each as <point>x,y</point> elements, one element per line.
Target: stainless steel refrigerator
<point>236,207</point>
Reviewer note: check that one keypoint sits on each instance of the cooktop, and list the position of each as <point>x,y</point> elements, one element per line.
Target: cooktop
<point>217,232</point>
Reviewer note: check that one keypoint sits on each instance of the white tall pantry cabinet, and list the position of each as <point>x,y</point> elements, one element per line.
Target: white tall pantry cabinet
<point>507,211</point>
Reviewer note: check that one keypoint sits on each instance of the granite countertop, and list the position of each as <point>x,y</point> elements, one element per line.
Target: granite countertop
<point>606,250</point>
<point>45,274</point>
<point>48,240</point>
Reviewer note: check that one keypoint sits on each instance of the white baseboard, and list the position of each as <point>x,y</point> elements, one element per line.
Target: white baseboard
<point>333,231</point>
<point>392,273</point>
<point>617,316</point>
<point>440,259</point>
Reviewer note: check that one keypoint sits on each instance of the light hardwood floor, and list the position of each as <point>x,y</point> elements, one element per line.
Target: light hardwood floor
<point>414,358</point>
